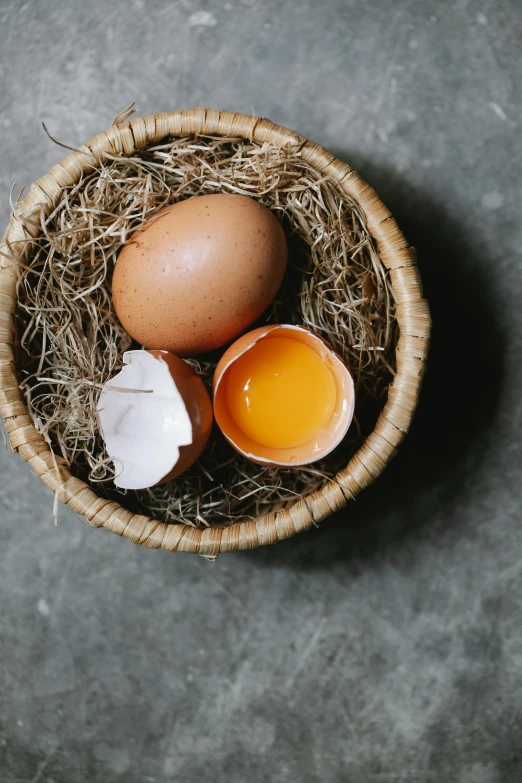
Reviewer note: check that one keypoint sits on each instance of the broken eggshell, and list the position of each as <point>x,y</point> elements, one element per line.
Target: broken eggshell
<point>324,440</point>
<point>155,418</point>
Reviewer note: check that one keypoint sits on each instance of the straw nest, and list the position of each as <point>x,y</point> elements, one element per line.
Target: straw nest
<point>69,341</point>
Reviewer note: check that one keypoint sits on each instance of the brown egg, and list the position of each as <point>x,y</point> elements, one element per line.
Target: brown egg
<point>199,273</point>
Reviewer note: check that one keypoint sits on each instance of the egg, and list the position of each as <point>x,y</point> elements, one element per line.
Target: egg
<point>282,396</point>
<point>155,418</point>
<point>200,273</point>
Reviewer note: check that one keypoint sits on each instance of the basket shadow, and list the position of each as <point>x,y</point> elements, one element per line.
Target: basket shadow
<point>452,429</point>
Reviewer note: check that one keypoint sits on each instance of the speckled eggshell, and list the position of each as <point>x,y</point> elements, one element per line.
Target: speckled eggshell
<point>200,273</point>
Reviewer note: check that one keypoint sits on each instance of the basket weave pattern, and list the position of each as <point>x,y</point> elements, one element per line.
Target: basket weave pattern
<point>367,463</point>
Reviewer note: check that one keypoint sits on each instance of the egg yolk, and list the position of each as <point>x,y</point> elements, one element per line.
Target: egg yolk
<point>280,392</point>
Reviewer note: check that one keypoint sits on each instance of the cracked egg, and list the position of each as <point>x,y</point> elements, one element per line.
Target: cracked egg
<point>282,396</point>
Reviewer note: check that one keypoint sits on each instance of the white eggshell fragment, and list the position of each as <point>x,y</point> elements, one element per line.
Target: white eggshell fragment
<point>144,421</point>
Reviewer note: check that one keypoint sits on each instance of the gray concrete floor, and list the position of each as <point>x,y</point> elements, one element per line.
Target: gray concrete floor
<point>386,646</point>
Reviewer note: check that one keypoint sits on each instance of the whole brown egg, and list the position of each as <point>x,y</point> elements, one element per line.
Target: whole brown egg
<point>199,273</point>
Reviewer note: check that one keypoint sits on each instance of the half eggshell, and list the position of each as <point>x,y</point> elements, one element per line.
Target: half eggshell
<point>325,440</point>
<point>155,418</point>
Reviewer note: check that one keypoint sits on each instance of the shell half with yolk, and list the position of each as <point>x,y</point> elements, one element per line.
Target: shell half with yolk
<point>282,396</point>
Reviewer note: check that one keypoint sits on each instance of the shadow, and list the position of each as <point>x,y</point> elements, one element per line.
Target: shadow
<point>452,430</point>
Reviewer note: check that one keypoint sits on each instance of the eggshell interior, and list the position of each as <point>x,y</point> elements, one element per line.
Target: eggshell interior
<point>324,440</point>
<point>155,417</point>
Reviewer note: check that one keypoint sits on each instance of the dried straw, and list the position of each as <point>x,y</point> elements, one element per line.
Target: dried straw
<point>70,341</point>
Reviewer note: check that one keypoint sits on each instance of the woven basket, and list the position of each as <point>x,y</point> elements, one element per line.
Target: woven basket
<point>368,462</point>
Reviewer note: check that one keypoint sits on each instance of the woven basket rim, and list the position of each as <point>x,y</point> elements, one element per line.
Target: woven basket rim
<point>366,464</point>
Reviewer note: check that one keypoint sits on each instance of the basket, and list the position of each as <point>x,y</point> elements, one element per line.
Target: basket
<point>366,464</point>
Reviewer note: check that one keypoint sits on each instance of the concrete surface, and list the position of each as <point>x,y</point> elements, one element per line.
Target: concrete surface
<point>386,646</point>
